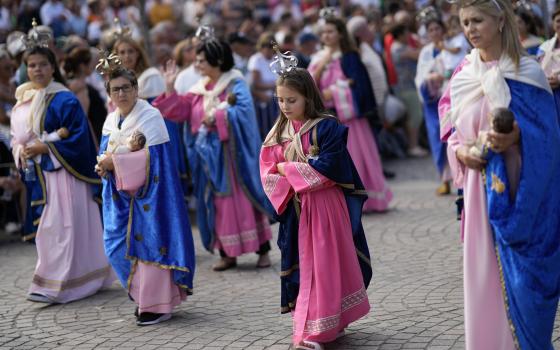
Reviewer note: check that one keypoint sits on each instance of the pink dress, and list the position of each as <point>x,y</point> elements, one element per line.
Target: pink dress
<point>71,261</point>
<point>151,287</point>
<point>240,227</point>
<point>325,305</point>
<point>361,143</point>
<point>486,323</point>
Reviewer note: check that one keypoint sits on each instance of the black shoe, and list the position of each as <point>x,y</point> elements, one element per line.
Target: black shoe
<point>388,174</point>
<point>149,318</point>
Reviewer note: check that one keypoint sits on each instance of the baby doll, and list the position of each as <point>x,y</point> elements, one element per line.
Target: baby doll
<point>135,142</point>
<point>54,136</point>
<point>502,122</point>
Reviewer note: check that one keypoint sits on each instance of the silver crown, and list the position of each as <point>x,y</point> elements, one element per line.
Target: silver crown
<point>120,31</point>
<point>328,12</point>
<point>427,14</point>
<point>282,62</point>
<point>205,32</point>
<point>107,63</point>
<point>37,37</point>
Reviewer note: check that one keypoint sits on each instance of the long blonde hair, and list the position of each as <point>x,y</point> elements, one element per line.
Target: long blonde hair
<point>511,45</point>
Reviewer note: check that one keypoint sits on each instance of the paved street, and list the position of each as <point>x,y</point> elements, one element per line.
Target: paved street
<point>416,293</point>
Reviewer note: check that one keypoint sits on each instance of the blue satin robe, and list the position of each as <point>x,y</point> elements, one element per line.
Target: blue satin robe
<point>153,225</point>
<point>527,227</point>
<point>76,154</point>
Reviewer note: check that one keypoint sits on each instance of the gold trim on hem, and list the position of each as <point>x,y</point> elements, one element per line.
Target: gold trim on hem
<point>363,257</point>
<point>36,222</point>
<point>161,266</point>
<point>29,237</point>
<point>504,295</point>
<point>71,283</point>
<point>289,271</point>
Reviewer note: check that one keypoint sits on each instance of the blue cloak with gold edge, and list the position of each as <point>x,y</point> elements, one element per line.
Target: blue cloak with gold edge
<point>335,163</point>
<point>209,159</point>
<point>362,92</point>
<point>152,226</point>
<point>527,227</point>
<point>75,153</point>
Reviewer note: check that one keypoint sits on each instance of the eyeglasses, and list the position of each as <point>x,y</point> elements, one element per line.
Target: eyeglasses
<point>125,89</point>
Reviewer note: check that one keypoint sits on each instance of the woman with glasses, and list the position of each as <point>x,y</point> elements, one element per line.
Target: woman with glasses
<point>511,193</point>
<point>58,173</point>
<point>147,235</point>
<point>223,149</point>
<point>151,84</point>
<point>346,89</point>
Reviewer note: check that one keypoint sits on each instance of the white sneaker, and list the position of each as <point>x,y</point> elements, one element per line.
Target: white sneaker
<point>417,152</point>
<point>39,298</point>
<point>12,228</point>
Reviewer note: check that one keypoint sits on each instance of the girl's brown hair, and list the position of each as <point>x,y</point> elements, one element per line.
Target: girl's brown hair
<point>142,64</point>
<point>300,81</point>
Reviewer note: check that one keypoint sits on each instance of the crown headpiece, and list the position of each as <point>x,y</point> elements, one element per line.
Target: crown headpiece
<point>523,5</point>
<point>108,63</point>
<point>427,14</point>
<point>204,32</point>
<point>37,37</point>
<point>282,62</point>
<point>120,31</point>
<point>328,12</point>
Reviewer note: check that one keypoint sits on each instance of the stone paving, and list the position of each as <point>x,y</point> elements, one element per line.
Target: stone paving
<point>416,293</point>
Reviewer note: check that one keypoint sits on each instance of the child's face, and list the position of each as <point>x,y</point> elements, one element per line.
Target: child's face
<point>291,103</point>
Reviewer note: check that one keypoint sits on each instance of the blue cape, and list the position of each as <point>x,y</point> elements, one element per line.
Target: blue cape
<point>151,227</point>
<point>75,153</point>
<point>335,163</point>
<point>209,159</point>
<point>527,227</point>
<point>362,92</point>
<point>431,118</point>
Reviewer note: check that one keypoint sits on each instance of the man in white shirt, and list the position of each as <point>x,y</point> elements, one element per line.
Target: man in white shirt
<point>358,28</point>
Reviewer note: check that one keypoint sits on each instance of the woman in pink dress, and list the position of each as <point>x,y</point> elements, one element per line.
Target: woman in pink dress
<point>58,172</point>
<point>311,180</point>
<point>346,89</point>
<point>510,219</point>
<point>222,146</point>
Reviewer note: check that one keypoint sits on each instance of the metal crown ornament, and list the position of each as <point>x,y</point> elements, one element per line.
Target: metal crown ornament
<point>427,14</point>
<point>108,63</point>
<point>121,31</point>
<point>36,37</point>
<point>282,62</point>
<point>205,32</point>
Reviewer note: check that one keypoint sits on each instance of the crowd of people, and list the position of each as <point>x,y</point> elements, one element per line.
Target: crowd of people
<point>255,112</point>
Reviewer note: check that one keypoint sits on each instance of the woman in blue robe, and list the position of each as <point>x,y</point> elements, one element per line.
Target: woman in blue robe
<point>147,234</point>
<point>223,145</point>
<point>512,196</point>
<point>430,80</point>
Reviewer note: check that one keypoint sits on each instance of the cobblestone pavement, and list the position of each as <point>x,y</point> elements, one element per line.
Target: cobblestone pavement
<point>416,293</point>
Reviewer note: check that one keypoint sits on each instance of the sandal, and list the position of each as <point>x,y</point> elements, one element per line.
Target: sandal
<point>309,345</point>
<point>225,264</point>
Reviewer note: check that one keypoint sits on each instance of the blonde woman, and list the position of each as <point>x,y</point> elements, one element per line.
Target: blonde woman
<point>510,219</point>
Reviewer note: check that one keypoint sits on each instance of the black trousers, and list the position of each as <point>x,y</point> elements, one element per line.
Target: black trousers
<point>263,249</point>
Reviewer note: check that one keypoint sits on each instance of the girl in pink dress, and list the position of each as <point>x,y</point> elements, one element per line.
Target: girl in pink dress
<point>346,89</point>
<point>62,215</point>
<point>311,180</point>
